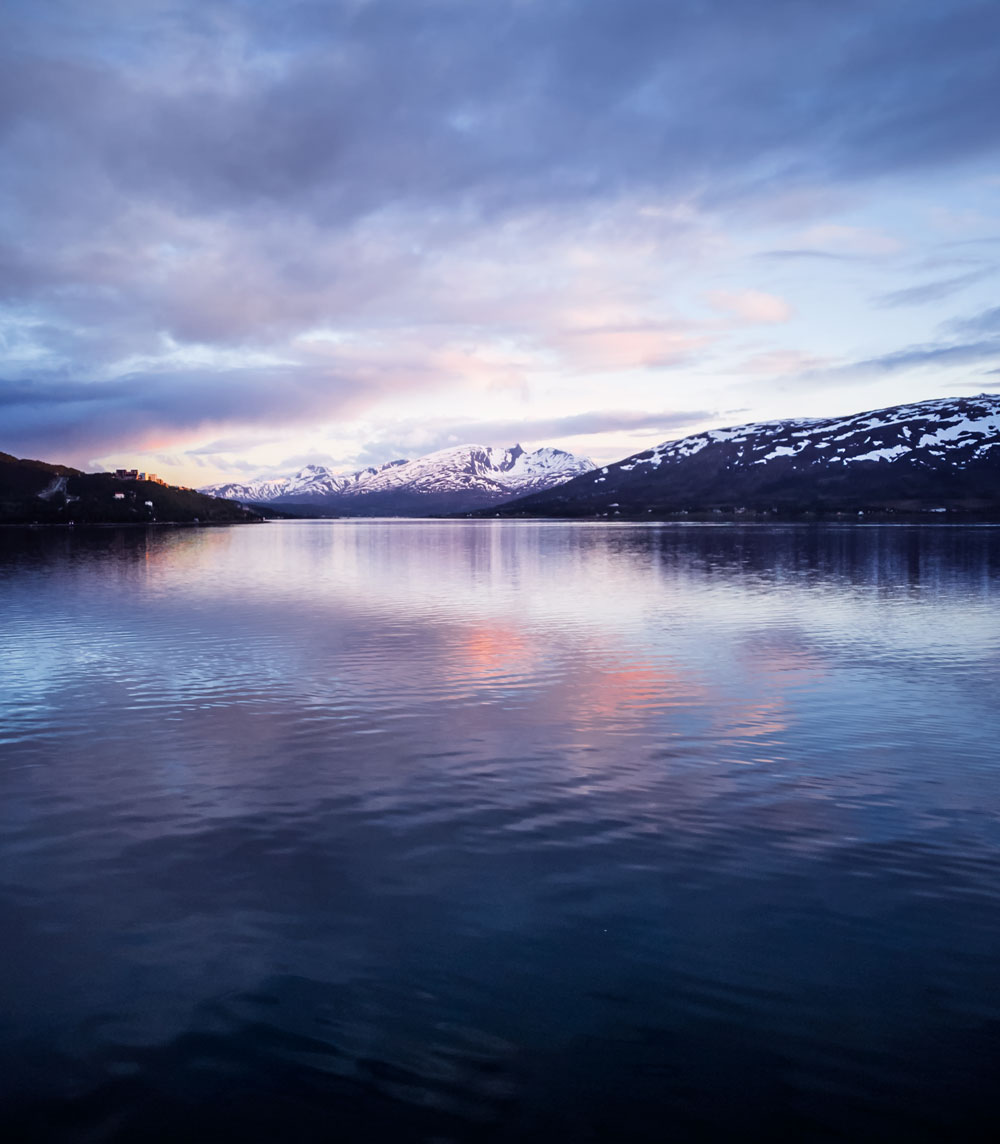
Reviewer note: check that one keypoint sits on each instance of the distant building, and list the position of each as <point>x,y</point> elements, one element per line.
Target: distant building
<point>149,504</point>
<point>126,475</point>
<point>119,496</point>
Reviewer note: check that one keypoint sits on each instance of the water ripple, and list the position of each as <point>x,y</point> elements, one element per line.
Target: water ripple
<point>499,831</point>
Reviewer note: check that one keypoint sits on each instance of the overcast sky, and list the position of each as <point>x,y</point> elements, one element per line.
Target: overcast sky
<point>239,236</point>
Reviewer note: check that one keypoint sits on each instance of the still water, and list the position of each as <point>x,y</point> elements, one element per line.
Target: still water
<point>499,831</point>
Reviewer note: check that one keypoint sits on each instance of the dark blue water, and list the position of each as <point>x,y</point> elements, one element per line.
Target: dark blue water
<point>500,832</point>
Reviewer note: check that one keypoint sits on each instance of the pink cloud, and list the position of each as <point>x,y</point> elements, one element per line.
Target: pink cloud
<point>751,305</point>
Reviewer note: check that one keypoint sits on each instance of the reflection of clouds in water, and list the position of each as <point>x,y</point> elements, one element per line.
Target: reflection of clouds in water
<point>396,776</point>
<point>618,631</point>
<point>484,653</point>
<point>614,628</point>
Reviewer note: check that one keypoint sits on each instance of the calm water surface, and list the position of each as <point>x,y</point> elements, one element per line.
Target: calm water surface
<point>500,832</point>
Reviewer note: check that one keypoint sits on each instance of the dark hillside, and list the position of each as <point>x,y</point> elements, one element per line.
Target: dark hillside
<point>39,492</point>
<point>938,456</point>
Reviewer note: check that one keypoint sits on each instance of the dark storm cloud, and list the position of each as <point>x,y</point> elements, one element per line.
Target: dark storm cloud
<point>231,174</point>
<point>340,109</point>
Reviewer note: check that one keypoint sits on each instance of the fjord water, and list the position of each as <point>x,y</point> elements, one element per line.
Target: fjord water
<point>499,831</point>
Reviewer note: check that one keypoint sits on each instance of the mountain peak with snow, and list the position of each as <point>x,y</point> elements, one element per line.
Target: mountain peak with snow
<point>454,479</point>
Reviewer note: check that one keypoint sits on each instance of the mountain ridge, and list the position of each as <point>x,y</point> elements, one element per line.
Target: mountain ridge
<point>921,456</point>
<point>455,479</point>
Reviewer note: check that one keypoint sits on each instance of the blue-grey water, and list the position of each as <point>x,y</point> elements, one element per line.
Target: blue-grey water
<point>493,831</point>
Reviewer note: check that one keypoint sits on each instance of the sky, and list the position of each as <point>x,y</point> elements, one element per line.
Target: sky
<point>239,236</point>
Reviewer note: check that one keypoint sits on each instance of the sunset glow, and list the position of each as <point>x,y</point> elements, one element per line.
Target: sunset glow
<point>237,238</point>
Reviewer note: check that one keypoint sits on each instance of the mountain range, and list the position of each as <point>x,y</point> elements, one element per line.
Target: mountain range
<point>940,455</point>
<point>458,479</point>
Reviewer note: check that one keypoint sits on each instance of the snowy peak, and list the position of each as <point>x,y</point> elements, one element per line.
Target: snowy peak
<point>465,473</point>
<point>545,467</point>
<point>256,491</point>
<point>309,482</point>
<point>464,468</point>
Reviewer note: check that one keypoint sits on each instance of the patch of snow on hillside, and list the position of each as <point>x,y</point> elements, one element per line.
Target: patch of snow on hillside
<point>958,430</point>
<point>881,454</point>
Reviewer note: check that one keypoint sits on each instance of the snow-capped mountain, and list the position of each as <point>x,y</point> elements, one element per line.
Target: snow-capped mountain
<point>309,482</point>
<point>479,468</point>
<point>932,454</point>
<point>457,479</point>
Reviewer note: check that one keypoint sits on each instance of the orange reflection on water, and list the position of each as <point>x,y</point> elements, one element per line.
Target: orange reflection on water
<point>489,651</point>
<point>634,685</point>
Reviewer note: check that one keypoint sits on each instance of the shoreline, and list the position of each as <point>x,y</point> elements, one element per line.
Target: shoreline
<point>35,524</point>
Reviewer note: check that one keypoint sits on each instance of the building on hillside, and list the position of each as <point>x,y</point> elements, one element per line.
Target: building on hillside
<point>126,475</point>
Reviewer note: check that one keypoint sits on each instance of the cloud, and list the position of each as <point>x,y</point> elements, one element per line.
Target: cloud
<point>331,114</point>
<point>437,187</point>
<point>929,355</point>
<point>985,323</point>
<point>835,242</point>
<point>793,255</point>
<point>777,363</point>
<point>982,328</point>
<point>148,411</point>
<point>415,438</point>
<point>857,241</point>
<point>229,445</point>
<point>932,291</point>
<point>593,340</point>
<point>751,305</point>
